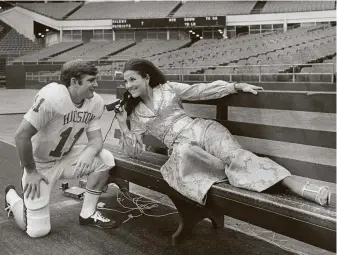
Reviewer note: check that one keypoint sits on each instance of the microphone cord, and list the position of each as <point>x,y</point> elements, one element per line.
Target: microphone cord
<point>113,119</point>
<point>113,107</point>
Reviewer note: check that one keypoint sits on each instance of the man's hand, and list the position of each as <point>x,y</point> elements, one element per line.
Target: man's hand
<point>32,184</point>
<point>84,163</point>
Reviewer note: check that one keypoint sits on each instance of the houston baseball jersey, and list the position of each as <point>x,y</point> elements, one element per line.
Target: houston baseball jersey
<point>59,122</point>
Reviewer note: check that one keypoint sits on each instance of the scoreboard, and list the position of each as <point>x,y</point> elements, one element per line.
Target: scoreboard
<point>188,22</point>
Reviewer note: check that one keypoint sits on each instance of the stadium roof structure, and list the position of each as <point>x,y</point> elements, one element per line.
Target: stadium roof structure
<point>84,10</point>
<point>135,10</point>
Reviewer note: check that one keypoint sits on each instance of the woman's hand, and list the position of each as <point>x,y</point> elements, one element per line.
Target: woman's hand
<point>245,87</point>
<point>121,115</point>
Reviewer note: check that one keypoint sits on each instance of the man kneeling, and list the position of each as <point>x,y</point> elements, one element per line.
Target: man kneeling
<point>45,143</point>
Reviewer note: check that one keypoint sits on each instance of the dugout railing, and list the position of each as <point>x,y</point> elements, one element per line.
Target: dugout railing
<point>294,73</point>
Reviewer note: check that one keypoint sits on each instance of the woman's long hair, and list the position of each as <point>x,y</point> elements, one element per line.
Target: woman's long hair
<point>143,67</point>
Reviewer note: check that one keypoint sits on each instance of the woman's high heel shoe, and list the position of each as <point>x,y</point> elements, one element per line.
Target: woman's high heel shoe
<point>319,194</point>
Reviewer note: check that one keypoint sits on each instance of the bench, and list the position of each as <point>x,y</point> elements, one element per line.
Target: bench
<point>294,128</point>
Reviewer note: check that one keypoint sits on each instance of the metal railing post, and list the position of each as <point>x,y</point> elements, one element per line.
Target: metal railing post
<point>333,69</point>
<point>260,74</point>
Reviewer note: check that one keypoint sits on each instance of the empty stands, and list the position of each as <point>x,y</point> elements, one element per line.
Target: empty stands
<point>110,70</point>
<point>287,48</point>
<point>4,29</point>
<point>318,73</point>
<point>93,50</point>
<point>297,6</point>
<point>149,48</point>
<point>77,52</point>
<point>48,52</point>
<point>106,49</point>
<point>53,10</point>
<point>214,8</point>
<point>15,44</point>
<point>124,10</point>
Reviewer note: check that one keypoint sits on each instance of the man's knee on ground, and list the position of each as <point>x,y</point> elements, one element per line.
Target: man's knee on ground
<point>38,222</point>
<point>42,201</point>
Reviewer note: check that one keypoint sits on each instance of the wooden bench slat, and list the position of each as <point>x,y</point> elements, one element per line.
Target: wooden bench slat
<point>284,134</point>
<point>296,86</point>
<point>307,153</point>
<point>280,100</point>
<point>306,169</point>
<point>284,118</point>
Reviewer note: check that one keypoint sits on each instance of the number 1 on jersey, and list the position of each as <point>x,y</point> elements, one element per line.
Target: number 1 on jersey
<point>37,105</point>
<point>64,137</point>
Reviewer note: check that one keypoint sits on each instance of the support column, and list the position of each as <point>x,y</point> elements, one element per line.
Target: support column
<point>168,34</point>
<point>113,35</point>
<point>225,32</point>
<point>285,26</point>
<point>61,34</point>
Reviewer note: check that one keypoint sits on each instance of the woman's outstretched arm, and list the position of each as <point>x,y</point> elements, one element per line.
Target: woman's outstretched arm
<point>212,90</point>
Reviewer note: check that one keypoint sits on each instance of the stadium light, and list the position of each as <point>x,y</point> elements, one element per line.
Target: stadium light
<point>42,35</point>
<point>193,32</point>
<point>190,31</point>
<point>201,37</point>
<point>47,29</point>
<point>39,34</point>
<point>197,35</point>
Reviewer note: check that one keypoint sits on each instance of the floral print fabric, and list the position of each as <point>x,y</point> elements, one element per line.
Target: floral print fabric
<point>203,151</point>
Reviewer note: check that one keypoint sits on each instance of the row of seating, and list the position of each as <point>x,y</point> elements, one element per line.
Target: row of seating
<point>214,8</point>
<point>98,49</point>
<point>14,43</point>
<point>106,49</point>
<point>52,10</point>
<point>124,10</point>
<point>281,60</point>
<point>78,51</point>
<point>297,6</point>
<point>214,52</point>
<point>149,48</point>
<point>48,51</point>
<point>329,67</point>
<point>93,50</point>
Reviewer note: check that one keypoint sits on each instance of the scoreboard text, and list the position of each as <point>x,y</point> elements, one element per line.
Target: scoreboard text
<point>189,22</point>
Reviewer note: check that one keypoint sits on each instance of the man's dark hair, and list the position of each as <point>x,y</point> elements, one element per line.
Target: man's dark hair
<point>76,69</point>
